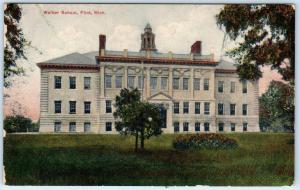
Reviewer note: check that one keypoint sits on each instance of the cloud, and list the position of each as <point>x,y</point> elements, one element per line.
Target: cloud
<point>124,37</point>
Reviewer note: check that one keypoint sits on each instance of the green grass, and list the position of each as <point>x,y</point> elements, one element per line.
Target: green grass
<point>260,159</point>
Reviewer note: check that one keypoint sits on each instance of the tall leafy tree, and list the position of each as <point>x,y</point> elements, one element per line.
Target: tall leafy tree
<point>277,108</point>
<point>267,34</point>
<point>137,118</point>
<point>14,42</point>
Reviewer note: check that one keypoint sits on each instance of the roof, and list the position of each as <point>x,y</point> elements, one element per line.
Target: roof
<point>148,25</point>
<point>156,57</point>
<point>89,59</point>
<point>92,54</point>
<point>226,65</point>
<point>73,58</point>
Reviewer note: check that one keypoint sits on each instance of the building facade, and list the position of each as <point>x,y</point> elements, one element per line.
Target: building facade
<point>195,93</point>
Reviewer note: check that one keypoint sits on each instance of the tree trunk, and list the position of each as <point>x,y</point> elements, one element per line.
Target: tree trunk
<point>142,139</point>
<point>136,141</point>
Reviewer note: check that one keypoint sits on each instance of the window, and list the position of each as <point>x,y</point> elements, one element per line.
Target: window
<point>72,107</point>
<point>196,84</point>
<point>57,126</point>
<point>206,126</point>
<point>72,81</point>
<point>176,83</point>
<point>87,127</point>
<point>164,83</point>
<point>108,126</point>
<point>72,126</point>
<point>221,127</point>
<point>232,126</point>
<point>185,83</point>
<point>153,83</point>
<point>197,126</point>
<point>206,108</point>
<point>107,81</point>
<point>87,83</point>
<point>197,107</point>
<point>220,109</point>
<point>57,82</point>
<point>185,107</point>
<point>108,106</point>
<point>185,126</point>
<point>140,82</point>
<point>245,125</point>
<point>176,127</point>
<point>232,109</point>
<point>176,108</point>
<point>244,85</point>
<point>87,107</point>
<point>206,84</point>
<point>232,87</point>
<point>57,106</point>
<point>130,82</point>
<point>244,109</point>
<point>220,86</point>
<point>119,81</point>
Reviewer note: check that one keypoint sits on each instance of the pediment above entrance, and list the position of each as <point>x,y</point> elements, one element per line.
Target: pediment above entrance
<point>160,96</point>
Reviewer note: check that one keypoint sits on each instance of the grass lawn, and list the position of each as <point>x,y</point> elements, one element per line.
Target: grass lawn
<point>261,159</point>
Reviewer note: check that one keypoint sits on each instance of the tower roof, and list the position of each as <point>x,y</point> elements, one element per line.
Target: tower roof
<point>148,28</point>
<point>148,25</point>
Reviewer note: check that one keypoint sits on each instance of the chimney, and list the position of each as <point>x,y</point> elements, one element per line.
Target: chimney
<point>102,41</point>
<point>196,48</point>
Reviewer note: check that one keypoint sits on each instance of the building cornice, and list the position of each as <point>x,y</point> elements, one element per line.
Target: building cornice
<point>155,60</point>
<point>67,66</point>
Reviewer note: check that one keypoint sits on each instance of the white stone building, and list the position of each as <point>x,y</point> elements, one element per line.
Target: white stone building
<point>196,93</point>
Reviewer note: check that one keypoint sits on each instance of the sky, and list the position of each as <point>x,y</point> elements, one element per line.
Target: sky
<point>176,28</point>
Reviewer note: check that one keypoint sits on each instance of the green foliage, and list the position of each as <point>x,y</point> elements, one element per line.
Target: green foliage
<point>262,159</point>
<point>19,123</point>
<point>14,42</point>
<point>204,141</point>
<point>135,117</point>
<point>277,108</point>
<point>268,37</point>
<point>248,71</point>
<point>126,100</point>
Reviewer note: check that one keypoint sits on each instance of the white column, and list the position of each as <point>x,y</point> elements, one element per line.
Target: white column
<point>148,82</point>
<point>170,82</point>
<point>170,118</point>
<point>191,89</point>
<point>102,82</point>
<point>125,76</point>
<point>145,83</point>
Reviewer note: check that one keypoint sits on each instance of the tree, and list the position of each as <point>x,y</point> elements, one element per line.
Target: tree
<point>14,42</point>
<point>268,38</point>
<point>277,108</point>
<point>134,117</point>
<point>17,123</point>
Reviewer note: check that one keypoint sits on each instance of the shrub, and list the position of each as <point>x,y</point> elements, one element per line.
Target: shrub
<point>18,123</point>
<point>204,141</point>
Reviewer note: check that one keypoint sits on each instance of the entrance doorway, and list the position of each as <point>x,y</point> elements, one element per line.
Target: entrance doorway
<point>163,115</point>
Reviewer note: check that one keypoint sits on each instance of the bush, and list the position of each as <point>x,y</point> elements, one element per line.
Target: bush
<point>204,141</point>
<point>18,123</point>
